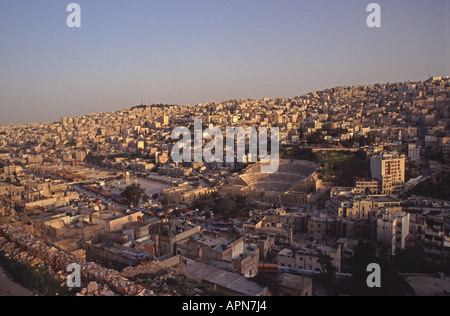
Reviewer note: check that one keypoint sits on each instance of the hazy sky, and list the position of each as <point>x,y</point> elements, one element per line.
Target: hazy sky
<point>192,51</point>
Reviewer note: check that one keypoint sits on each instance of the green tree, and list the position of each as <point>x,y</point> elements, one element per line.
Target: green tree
<point>328,271</point>
<point>134,193</point>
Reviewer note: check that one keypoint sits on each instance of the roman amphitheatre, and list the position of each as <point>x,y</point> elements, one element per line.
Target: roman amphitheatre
<point>294,183</point>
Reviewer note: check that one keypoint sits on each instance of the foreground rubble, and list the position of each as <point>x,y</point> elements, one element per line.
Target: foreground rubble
<point>16,242</point>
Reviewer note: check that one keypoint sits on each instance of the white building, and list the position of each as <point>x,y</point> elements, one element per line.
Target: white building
<point>392,229</point>
<point>309,259</point>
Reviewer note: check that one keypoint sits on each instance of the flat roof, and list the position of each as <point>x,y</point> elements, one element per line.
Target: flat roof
<point>428,285</point>
<point>215,241</point>
<point>228,280</point>
<point>285,252</point>
<point>384,198</point>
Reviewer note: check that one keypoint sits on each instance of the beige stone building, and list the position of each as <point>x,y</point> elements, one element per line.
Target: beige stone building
<point>174,233</point>
<point>389,169</point>
<point>367,186</point>
<point>360,207</point>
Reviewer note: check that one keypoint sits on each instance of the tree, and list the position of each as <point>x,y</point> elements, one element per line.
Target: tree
<point>227,206</point>
<point>134,193</point>
<point>328,271</point>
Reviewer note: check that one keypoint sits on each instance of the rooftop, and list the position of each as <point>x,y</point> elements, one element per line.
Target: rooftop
<point>226,280</point>
<point>215,242</point>
<point>428,285</point>
<point>384,198</point>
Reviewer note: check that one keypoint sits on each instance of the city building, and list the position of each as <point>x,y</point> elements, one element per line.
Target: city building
<point>389,169</point>
<point>392,229</point>
<point>309,259</point>
<point>414,153</point>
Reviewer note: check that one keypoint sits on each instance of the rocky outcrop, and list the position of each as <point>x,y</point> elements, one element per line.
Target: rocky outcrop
<point>21,245</point>
<point>175,264</point>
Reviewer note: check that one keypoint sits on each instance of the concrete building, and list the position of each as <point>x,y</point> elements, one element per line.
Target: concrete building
<point>165,120</point>
<point>367,186</point>
<point>268,227</point>
<point>446,151</point>
<point>113,222</point>
<point>264,245</point>
<point>173,233</point>
<point>392,229</point>
<point>295,285</point>
<point>413,153</point>
<point>389,169</point>
<point>359,207</point>
<point>309,259</point>
<point>211,247</point>
<point>320,226</point>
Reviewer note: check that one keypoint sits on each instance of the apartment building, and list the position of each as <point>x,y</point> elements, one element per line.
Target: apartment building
<point>309,259</point>
<point>413,153</point>
<point>392,229</point>
<point>446,151</point>
<point>389,169</point>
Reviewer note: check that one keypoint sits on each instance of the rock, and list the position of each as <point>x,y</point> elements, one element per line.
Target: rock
<point>107,293</point>
<point>140,293</point>
<point>92,287</point>
<point>3,241</point>
<point>16,242</point>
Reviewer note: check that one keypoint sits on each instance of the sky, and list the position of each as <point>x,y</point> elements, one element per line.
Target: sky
<point>198,51</point>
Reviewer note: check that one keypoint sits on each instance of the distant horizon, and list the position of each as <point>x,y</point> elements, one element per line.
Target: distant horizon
<point>196,51</point>
<point>219,101</point>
